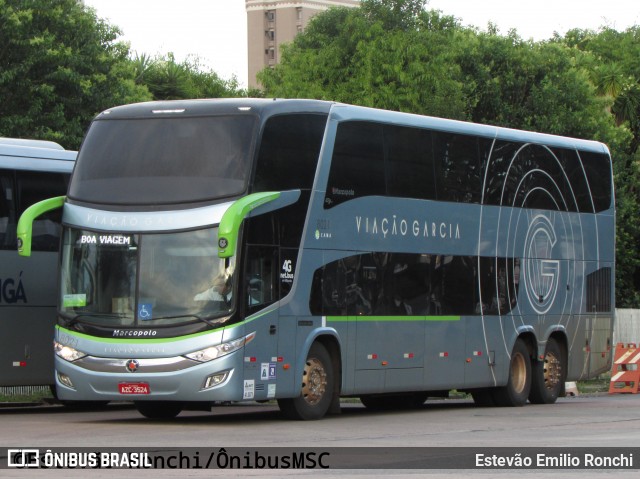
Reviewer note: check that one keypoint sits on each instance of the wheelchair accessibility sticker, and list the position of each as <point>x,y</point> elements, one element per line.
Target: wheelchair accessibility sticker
<point>145,311</point>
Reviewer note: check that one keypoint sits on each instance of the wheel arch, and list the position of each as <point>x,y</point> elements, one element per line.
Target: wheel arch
<point>329,338</point>
<point>560,336</point>
<point>529,338</point>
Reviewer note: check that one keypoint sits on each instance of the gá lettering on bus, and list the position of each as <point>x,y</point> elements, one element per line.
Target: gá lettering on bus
<point>12,290</point>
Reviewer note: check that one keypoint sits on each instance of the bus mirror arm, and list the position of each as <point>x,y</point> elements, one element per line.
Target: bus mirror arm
<point>25,223</point>
<point>251,205</point>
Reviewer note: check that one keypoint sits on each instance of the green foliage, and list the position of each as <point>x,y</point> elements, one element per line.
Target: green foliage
<point>59,66</point>
<point>613,62</point>
<point>627,181</point>
<point>370,56</point>
<point>167,79</point>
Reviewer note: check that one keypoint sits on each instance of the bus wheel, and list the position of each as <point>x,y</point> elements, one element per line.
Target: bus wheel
<point>548,375</point>
<point>317,387</point>
<point>159,409</point>
<point>516,392</point>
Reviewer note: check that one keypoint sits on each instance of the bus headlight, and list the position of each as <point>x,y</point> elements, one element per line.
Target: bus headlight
<point>67,352</point>
<point>213,352</point>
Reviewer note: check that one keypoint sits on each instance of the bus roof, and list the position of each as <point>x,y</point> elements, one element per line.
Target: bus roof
<point>19,156</point>
<point>344,112</point>
<point>27,142</point>
<point>339,111</point>
<point>219,106</point>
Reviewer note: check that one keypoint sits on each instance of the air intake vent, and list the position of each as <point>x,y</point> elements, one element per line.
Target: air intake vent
<point>599,291</point>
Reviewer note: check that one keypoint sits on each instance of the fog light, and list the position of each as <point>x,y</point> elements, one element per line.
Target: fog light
<point>65,380</point>
<point>216,379</point>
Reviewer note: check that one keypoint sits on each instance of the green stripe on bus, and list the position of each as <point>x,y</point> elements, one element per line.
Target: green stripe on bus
<point>146,339</point>
<point>392,318</point>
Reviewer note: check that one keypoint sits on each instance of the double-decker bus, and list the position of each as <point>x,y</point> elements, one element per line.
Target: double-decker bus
<point>303,251</point>
<point>30,171</point>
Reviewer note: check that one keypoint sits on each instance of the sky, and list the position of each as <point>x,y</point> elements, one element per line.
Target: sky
<point>215,31</point>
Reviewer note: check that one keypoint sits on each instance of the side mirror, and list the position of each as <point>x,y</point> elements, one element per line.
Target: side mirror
<point>232,219</point>
<point>252,205</point>
<point>25,223</point>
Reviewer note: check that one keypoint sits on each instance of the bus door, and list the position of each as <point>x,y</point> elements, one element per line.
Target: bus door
<point>260,285</point>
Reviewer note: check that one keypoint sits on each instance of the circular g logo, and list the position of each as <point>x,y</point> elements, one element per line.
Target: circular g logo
<point>540,272</point>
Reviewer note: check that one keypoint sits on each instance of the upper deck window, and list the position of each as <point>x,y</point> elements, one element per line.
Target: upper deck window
<point>164,160</point>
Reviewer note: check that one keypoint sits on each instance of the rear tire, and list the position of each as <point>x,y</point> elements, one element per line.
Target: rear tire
<point>516,392</point>
<point>316,390</point>
<point>159,409</point>
<point>548,375</point>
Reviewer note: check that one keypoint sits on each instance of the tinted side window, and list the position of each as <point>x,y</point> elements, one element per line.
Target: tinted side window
<point>598,170</point>
<point>458,160</point>
<point>533,176</point>
<point>273,240</point>
<point>542,181</point>
<point>576,189</point>
<point>289,152</point>
<point>262,284</point>
<point>390,284</point>
<point>410,168</point>
<point>22,189</point>
<point>7,211</point>
<point>280,227</point>
<point>357,165</point>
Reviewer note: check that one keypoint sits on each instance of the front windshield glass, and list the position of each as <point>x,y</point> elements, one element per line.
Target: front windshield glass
<point>144,280</point>
<point>166,160</point>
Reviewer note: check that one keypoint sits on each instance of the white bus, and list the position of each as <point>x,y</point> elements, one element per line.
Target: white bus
<point>30,170</point>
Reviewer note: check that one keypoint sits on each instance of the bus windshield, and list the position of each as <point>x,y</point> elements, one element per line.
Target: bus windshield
<point>166,160</point>
<point>144,280</point>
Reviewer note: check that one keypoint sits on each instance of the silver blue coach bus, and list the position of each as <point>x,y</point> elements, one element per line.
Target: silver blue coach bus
<point>303,251</point>
<point>30,171</point>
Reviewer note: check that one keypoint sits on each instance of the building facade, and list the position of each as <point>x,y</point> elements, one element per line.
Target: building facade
<point>270,23</point>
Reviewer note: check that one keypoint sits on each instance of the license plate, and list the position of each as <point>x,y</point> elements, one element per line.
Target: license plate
<point>134,388</point>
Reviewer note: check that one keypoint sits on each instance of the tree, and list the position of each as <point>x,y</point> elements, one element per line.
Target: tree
<point>59,66</point>
<point>387,54</point>
<point>167,79</point>
<point>613,60</point>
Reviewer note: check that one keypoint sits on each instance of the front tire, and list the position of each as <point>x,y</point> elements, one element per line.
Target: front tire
<point>548,375</point>
<point>516,392</point>
<point>316,390</point>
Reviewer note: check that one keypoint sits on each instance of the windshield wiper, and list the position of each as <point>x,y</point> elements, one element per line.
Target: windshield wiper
<point>208,321</point>
<point>72,320</point>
